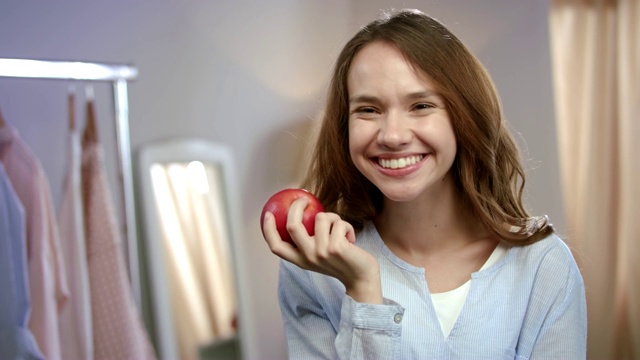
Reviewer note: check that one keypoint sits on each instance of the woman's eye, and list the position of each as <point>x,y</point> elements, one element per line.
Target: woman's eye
<point>423,106</point>
<point>366,110</point>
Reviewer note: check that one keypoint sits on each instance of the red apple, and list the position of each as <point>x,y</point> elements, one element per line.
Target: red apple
<point>278,205</point>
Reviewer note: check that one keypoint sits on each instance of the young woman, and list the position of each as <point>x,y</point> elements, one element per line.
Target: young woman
<point>425,250</point>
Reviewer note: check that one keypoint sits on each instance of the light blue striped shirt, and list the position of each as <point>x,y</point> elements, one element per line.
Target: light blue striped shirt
<point>529,305</point>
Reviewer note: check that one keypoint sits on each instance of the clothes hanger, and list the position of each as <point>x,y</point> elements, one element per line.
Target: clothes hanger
<point>2,122</point>
<point>71,104</point>
<point>90,134</point>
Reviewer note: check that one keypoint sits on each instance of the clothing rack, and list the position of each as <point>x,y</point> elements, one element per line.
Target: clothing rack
<point>119,76</point>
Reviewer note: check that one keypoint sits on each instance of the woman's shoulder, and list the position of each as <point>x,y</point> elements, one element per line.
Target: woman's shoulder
<point>550,256</point>
<point>551,246</point>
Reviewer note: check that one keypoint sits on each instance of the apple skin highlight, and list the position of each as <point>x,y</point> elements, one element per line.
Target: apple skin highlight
<point>278,204</point>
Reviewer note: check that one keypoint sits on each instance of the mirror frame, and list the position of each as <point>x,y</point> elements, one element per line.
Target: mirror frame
<point>158,301</point>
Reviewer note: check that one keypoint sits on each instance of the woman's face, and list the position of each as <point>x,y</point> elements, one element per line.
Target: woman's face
<point>400,135</point>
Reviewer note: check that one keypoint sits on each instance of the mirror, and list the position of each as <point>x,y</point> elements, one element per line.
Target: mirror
<point>189,244</point>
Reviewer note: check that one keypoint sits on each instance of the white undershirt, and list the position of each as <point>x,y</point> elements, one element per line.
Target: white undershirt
<point>449,304</point>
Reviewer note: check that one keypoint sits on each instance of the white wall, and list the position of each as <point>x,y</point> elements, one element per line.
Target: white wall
<point>252,74</point>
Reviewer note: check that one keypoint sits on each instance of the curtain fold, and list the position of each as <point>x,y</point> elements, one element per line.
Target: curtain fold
<point>596,69</point>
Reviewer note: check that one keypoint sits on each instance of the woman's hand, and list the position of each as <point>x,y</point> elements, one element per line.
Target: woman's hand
<point>331,251</point>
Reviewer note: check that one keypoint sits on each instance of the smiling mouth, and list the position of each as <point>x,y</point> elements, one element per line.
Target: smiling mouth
<point>400,163</point>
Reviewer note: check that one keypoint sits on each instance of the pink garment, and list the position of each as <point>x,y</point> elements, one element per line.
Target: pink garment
<point>118,330</point>
<point>76,332</point>
<point>47,280</point>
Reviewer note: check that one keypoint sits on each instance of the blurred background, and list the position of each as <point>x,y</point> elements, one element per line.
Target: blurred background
<point>252,75</point>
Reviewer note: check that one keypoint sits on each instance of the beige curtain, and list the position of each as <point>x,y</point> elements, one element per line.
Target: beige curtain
<point>197,255</point>
<point>596,69</point>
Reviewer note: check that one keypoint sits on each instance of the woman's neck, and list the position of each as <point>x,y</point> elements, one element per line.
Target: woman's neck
<point>434,221</point>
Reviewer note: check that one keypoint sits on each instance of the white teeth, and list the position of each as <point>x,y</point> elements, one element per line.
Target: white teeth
<point>399,163</point>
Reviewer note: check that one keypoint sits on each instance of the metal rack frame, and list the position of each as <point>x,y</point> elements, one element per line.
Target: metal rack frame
<point>119,76</point>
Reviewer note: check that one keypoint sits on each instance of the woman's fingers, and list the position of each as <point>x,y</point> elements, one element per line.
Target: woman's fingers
<point>341,230</point>
<point>330,232</point>
<point>303,244</point>
<point>295,227</point>
<point>322,229</point>
<point>277,246</point>
<point>330,251</point>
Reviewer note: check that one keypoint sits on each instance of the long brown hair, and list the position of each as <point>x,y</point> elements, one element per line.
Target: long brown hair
<point>487,169</point>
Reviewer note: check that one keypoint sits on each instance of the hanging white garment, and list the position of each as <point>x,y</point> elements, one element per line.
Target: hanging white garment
<point>16,340</point>
<point>47,280</point>
<point>76,332</point>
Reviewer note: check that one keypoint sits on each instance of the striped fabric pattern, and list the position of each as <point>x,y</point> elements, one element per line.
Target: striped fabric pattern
<point>530,304</point>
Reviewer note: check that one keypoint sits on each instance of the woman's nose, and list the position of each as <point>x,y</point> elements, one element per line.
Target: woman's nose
<point>394,132</point>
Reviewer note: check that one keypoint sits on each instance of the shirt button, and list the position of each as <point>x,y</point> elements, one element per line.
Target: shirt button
<point>397,318</point>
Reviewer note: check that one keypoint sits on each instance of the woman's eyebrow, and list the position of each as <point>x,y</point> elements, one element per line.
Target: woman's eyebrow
<point>422,94</point>
<point>363,99</point>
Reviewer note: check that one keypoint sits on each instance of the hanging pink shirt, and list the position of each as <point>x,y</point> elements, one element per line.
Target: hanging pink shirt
<point>47,280</point>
